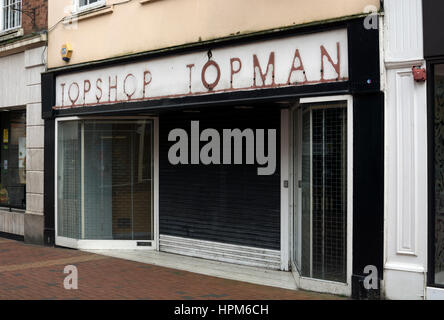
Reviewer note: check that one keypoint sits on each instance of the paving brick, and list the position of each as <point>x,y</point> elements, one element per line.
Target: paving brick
<point>34,273</point>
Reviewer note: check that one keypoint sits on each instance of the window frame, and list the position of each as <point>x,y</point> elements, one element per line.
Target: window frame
<point>10,137</point>
<point>91,6</point>
<point>431,247</point>
<point>111,244</point>
<point>2,10</point>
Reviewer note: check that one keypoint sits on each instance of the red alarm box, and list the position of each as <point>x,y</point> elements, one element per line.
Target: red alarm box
<point>419,74</point>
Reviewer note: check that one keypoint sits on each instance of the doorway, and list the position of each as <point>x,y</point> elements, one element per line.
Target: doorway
<point>321,187</point>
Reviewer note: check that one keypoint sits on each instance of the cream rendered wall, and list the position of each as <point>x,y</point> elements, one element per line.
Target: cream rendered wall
<point>133,27</point>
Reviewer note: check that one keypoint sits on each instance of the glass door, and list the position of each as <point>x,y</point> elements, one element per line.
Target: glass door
<point>320,190</point>
<point>105,187</point>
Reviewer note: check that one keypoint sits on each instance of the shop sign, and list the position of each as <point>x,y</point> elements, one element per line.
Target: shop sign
<point>283,62</point>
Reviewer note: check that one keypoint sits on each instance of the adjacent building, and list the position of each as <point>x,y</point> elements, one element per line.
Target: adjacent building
<point>23,44</point>
<point>413,57</point>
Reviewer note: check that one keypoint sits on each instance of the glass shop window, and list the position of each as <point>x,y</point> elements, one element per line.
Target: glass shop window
<point>13,160</point>
<point>104,180</point>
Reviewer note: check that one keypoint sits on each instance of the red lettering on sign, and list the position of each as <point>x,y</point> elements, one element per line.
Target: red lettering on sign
<point>129,95</point>
<point>99,88</point>
<point>63,93</point>
<point>110,87</point>
<point>86,89</point>
<point>336,66</point>
<point>210,86</point>
<point>300,68</point>
<point>145,81</point>
<point>257,67</point>
<point>234,71</point>
<point>73,101</point>
<point>190,66</point>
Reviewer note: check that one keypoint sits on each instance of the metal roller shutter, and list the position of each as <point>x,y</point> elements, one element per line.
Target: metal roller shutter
<point>229,204</point>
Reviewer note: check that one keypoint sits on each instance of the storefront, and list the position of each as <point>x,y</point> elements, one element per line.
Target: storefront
<point>264,150</point>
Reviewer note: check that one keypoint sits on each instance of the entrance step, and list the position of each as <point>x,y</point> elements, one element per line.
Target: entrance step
<point>256,275</point>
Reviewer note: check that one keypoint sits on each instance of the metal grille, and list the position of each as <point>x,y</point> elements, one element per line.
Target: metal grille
<point>306,194</point>
<point>69,178</point>
<point>12,16</point>
<point>324,185</point>
<point>71,192</point>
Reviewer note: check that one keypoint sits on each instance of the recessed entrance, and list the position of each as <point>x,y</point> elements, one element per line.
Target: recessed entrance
<point>321,192</point>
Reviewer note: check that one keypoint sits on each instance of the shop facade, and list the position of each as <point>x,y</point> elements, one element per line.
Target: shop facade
<point>23,46</point>
<point>265,150</point>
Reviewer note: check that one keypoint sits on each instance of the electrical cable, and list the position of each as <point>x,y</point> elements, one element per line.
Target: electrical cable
<point>72,15</point>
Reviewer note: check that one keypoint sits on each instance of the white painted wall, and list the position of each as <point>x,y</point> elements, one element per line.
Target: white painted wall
<point>12,80</point>
<point>405,264</point>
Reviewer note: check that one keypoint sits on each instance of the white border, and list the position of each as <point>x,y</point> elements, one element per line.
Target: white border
<point>316,284</point>
<point>285,195</point>
<point>78,8</point>
<point>112,244</point>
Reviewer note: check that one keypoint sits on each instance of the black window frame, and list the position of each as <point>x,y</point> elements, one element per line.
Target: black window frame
<point>431,171</point>
<point>8,127</point>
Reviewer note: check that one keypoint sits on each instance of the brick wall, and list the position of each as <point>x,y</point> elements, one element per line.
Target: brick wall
<point>41,15</point>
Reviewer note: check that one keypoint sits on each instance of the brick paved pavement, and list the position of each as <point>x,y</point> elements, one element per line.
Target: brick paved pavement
<point>33,272</point>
